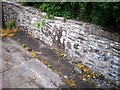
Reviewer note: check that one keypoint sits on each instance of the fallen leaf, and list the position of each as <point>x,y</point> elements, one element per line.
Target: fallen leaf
<point>33,54</point>
<point>88,75</point>
<point>3,34</point>
<point>26,48</point>
<point>14,30</point>
<point>84,79</point>
<point>44,62</point>
<point>10,35</point>
<point>80,65</point>
<point>61,54</point>
<point>70,82</point>
<point>85,69</point>
<point>94,77</point>
<point>7,32</point>
<point>49,66</point>
<point>23,45</point>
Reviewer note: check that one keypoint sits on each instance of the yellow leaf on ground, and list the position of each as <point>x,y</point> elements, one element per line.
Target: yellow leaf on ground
<point>61,54</point>
<point>94,77</point>
<point>88,75</point>
<point>84,79</point>
<point>70,82</point>
<point>23,45</point>
<point>80,65</point>
<point>85,69</point>
<point>33,54</point>
<point>26,48</point>
<point>11,35</point>
<point>2,34</point>
<point>14,30</point>
<point>8,32</point>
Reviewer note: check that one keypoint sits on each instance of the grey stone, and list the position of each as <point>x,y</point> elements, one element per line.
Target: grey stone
<point>89,64</point>
<point>76,45</point>
<point>76,52</point>
<point>69,45</point>
<point>115,67</point>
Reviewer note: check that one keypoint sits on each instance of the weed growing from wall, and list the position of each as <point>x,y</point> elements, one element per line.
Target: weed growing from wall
<point>10,24</point>
<point>40,24</point>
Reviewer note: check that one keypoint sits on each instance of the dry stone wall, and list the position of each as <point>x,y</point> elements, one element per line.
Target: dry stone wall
<point>84,42</point>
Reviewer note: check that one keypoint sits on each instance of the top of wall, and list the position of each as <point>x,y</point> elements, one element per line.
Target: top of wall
<point>89,28</point>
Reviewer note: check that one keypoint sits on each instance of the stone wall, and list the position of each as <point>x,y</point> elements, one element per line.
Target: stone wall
<point>84,42</point>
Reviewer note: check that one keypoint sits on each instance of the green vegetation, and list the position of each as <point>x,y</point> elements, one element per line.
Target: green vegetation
<point>10,24</point>
<point>105,14</point>
<point>40,24</point>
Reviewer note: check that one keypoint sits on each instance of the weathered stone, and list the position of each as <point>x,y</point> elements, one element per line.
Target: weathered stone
<point>69,45</point>
<point>81,38</point>
<point>72,35</point>
<point>96,50</point>
<point>76,52</point>
<point>76,45</point>
<point>85,51</point>
<point>115,67</point>
<point>115,62</point>
<point>91,61</point>
<point>89,65</point>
